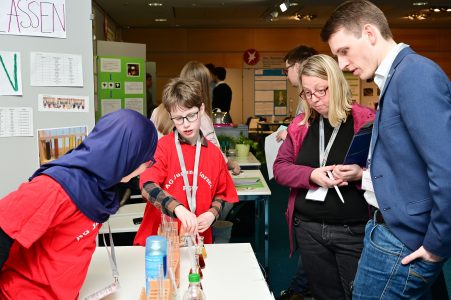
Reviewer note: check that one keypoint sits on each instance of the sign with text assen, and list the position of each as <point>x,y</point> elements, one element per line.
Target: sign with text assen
<point>36,18</point>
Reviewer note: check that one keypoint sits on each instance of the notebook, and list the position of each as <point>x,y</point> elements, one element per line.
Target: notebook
<point>358,149</point>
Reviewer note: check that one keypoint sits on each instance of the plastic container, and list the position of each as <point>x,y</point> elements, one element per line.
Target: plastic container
<point>156,259</point>
<point>194,291</point>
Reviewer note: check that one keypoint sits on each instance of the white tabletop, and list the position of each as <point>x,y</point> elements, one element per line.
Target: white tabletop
<point>231,272</point>
<point>122,221</point>
<point>258,191</point>
<point>248,161</point>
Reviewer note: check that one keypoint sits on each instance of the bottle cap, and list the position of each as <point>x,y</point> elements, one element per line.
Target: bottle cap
<point>194,277</point>
<point>156,243</point>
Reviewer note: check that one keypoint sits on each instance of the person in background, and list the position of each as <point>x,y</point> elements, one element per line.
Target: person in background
<point>407,182</point>
<point>197,71</point>
<point>190,179</point>
<point>149,99</point>
<point>49,225</point>
<point>328,230</point>
<point>222,93</point>
<point>211,67</point>
<point>293,60</point>
<point>161,118</point>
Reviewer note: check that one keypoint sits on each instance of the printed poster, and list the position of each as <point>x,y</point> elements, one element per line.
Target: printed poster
<point>35,18</point>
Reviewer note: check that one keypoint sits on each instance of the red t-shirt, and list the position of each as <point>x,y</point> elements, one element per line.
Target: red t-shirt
<point>53,243</point>
<point>214,181</point>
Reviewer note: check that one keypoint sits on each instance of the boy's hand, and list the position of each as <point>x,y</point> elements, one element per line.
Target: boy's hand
<point>204,221</point>
<point>188,219</point>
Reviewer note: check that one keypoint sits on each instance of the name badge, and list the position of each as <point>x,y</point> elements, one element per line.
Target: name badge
<point>318,194</point>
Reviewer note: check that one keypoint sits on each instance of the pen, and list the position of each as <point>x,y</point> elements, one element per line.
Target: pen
<point>329,174</point>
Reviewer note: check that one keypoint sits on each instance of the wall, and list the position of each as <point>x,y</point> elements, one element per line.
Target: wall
<point>172,48</point>
<point>20,156</point>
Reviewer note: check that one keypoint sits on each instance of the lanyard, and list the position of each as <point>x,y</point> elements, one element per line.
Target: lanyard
<point>190,190</point>
<point>112,288</point>
<point>324,153</point>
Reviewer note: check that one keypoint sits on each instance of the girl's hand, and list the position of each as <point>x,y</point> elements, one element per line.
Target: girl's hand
<point>204,221</point>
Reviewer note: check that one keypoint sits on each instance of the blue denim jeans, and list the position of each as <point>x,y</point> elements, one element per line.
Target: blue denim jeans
<point>380,274</point>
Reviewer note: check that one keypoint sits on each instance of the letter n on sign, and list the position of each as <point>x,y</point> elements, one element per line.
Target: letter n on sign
<point>10,73</point>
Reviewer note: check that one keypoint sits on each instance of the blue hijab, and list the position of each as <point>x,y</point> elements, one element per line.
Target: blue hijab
<point>119,143</point>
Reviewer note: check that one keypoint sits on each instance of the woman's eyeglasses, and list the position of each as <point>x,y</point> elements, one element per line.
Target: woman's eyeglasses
<point>308,95</point>
<point>190,118</point>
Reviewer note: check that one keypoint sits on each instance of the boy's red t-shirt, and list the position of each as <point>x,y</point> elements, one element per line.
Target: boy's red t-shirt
<point>214,182</point>
<point>53,246</point>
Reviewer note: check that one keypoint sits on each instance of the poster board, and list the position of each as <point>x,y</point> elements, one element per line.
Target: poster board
<point>270,92</point>
<point>20,154</point>
<point>121,84</point>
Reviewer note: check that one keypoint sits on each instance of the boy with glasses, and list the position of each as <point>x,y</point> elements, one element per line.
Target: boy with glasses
<point>189,180</point>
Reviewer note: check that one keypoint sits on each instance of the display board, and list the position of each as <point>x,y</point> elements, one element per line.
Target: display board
<point>120,84</point>
<point>48,80</point>
<point>270,86</point>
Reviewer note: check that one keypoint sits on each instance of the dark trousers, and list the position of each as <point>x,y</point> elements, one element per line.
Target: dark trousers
<point>299,283</point>
<point>330,254</point>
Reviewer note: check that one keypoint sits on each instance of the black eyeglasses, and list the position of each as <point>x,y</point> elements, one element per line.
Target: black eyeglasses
<point>307,95</point>
<point>285,70</point>
<point>189,117</point>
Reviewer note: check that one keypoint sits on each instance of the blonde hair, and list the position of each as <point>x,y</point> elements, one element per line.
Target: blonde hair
<point>198,71</point>
<point>340,98</point>
<point>162,120</point>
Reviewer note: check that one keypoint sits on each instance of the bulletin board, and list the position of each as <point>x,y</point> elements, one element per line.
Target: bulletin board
<point>48,35</point>
<point>354,85</point>
<point>270,88</point>
<point>121,84</point>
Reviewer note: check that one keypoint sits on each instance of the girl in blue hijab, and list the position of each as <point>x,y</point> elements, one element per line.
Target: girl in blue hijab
<point>48,227</point>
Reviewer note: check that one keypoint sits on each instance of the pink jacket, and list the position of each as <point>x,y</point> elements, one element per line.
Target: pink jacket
<point>287,173</point>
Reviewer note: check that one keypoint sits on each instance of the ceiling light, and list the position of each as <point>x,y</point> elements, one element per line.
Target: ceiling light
<point>284,6</point>
<point>161,20</point>
<point>416,17</point>
<point>440,9</point>
<point>419,3</point>
<point>155,4</point>
<point>307,17</point>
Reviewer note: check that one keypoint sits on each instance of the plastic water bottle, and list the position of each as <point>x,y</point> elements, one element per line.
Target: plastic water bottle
<point>156,256</point>
<point>194,291</point>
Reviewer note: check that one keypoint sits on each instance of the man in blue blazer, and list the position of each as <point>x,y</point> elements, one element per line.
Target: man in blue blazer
<point>408,180</point>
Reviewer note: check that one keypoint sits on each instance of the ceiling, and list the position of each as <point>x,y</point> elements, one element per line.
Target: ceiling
<point>259,13</point>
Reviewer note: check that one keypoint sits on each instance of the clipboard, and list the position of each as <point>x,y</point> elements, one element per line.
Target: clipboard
<point>358,149</point>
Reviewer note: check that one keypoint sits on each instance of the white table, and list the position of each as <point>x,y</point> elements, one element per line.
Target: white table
<point>122,221</point>
<point>258,195</point>
<point>248,162</point>
<point>231,272</point>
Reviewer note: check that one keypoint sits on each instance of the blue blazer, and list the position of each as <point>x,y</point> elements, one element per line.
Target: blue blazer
<point>411,156</point>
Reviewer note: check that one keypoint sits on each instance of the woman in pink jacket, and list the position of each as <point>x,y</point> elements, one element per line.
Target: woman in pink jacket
<point>328,230</point>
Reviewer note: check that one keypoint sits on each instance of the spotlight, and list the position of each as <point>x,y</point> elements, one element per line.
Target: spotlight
<point>284,6</point>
